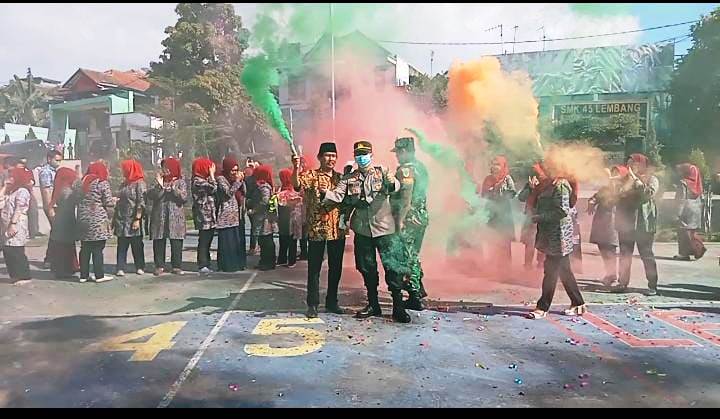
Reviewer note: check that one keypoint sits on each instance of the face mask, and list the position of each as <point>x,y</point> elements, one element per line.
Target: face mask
<point>363,160</point>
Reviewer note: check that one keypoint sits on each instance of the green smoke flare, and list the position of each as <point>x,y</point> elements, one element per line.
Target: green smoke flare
<point>477,214</point>
<point>258,76</point>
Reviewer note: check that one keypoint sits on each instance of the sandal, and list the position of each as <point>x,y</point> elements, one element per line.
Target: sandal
<point>576,311</point>
<point>537,314</point>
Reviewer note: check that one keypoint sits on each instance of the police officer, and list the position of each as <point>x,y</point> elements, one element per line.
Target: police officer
<point>409,206</point>
<point>367,189</point>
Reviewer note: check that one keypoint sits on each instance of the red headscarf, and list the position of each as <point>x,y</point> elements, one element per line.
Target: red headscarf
<point>132,171</point>
<point>228,164</point>
<point>21,177</point>
<point>173,166</point>
<point>96,171</point>
<point>693,178</point>
<point>201,167</point>
<point>545,183</point>
<point>492,181</point>
<point>641,160</point>
<point>64,178</point>
<point>622,170</point>
<point>286,179</point>
<point>263,174</point>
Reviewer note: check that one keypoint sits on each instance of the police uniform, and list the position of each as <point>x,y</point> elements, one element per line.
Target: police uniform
<point>410,204</point>
<point>368,191</point>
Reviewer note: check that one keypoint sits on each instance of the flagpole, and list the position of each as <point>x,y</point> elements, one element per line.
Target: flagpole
<point>332,68</point>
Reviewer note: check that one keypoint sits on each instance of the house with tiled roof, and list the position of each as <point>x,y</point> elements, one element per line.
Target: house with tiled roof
<point>102,107</point>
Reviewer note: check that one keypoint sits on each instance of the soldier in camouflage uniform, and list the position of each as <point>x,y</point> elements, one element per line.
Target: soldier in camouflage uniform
<point>409,206</point>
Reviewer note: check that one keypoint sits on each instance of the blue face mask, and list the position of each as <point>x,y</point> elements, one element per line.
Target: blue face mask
<point>363,160</point>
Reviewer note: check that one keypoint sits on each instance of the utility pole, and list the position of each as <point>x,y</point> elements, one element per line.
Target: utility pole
<point>432,57</point>
<point>332,68</point>
<point>502,45</point>
<point>514,36</point>
<point>542,28</point>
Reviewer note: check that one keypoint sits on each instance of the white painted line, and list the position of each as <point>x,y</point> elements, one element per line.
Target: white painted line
<point>203,347</point>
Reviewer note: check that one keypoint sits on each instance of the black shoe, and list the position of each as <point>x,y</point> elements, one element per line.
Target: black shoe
<point>312,312</point>
<point>400,315</point>
<point>302,257</point>
<point>335,309</point>
<point>651,292</point>
<point>369,311</point>
<point>414,303</point>
<point>619,289</point>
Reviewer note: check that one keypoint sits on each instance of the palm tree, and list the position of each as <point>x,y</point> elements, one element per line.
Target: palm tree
<point>21,102</point>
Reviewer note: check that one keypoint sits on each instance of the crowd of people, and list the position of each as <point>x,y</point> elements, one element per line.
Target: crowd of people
<point>315,208</point>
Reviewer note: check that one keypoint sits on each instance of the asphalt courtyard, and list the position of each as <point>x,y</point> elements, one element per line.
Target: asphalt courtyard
<point>241,340</point>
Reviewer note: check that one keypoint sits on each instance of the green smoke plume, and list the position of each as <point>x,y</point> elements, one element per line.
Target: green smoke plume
<point>258,77</point>
<point>447,156</point>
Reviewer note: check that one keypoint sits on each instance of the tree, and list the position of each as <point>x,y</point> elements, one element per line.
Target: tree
<point>431,92</point>
<point>598,131</point>
<point>695,88</point>
<point>198,76</point>
<point>21,102</point>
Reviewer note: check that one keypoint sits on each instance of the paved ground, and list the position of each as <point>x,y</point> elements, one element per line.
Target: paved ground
<point>242,341</point>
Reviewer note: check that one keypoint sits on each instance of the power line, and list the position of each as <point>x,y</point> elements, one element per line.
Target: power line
<point>569,38</point>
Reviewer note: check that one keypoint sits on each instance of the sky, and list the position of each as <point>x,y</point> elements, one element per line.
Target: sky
<point>56,39</point>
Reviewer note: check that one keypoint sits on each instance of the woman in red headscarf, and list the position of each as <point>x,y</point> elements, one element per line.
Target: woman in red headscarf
<point>167,195</point>
<point>551,203</point>
<point>290,219</point>
<point>232,256</point>
<point>62,254</point>
<point>499,188</point>
<point>602,207</point>
<point>537,181</point>
<point>93,222</point>
<point>203,187</point>
<point>636,222</point>
<point>265,217</point>
<point>689,196</point>
<point>14,231</point>
<point>128,215</point>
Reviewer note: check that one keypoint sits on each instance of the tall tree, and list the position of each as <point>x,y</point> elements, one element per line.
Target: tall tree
<point>198,79</point>
<point>695,89</point>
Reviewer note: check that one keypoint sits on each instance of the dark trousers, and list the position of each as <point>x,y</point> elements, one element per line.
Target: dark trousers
<point>609,257</point>
<point>267,251</point>
<point>316,254</point>
<point>92,249</point>
<point>304,243</point>
<point>288,250</point>
<point>644,243</point>
<point>366,249</point>
<point>176,248</point>
<point>253,235</point>
<point>138,252</point>
<point>690,243</point>
<point>205,239</point>
<point>558,266</point>
<point>17,263</point>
